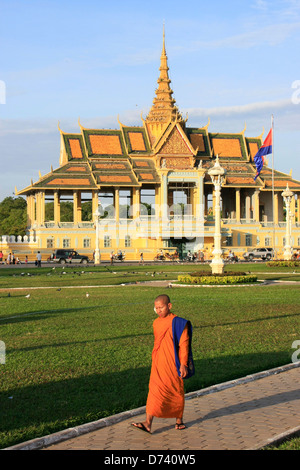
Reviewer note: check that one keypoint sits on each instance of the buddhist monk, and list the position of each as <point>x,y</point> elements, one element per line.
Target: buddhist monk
<point>166,387</point>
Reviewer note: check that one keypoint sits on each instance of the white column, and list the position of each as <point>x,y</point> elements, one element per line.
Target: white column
<point>217,176</point>
<point>288,197</point>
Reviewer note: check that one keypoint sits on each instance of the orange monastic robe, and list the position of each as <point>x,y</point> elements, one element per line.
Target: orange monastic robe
<point>166,389</point>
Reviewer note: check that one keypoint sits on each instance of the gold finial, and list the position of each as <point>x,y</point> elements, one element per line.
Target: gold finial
<point>243,131</point>
<point>163,109</point>
<point>121,125</point>
<point>206,127</point>
<point>59,128</point>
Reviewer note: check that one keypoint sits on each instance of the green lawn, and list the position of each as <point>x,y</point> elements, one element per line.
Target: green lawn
<point>288,444</point>
<point>67,275</point>
<point>72,359</point>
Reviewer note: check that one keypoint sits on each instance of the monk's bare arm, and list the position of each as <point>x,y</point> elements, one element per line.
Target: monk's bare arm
<point>184,352</point>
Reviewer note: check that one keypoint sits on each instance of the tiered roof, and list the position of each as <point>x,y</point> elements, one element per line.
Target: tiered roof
<point>133,156</point>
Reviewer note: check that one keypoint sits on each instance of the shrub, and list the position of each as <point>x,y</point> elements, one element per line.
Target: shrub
<point>283,264</point>
<point>209,273</point>
<point>217,279</point>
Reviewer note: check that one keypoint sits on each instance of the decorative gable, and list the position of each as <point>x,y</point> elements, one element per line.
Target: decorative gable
<point>175,145</point>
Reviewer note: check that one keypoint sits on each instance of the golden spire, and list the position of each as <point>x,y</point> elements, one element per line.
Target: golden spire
<point>163,109</point>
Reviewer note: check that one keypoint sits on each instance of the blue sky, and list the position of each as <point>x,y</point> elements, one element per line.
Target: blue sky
<point>235,62</point>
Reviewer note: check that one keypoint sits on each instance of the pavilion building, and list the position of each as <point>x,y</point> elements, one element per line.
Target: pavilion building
<point>152,188</point>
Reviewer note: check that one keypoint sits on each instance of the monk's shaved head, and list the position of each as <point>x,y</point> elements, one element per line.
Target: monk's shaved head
<point>163,298</point>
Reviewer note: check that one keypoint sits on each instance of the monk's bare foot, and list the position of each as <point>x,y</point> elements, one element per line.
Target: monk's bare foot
<point>142,427</point>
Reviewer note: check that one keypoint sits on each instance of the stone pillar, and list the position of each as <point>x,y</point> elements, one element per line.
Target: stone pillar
<point>199,213</point>
<point>164,197</point>
<point>94,204</point>
<point>30,210</point>
<point>117,204</point>
<point>136,203</point>
<point>40,208</point>
<point>238,205</point>
<point>75,207</point>
<point>293,211</point>
<point>56,208</point>
<point>256,205</point>
<point>157,202</point>
<point>34,208</point>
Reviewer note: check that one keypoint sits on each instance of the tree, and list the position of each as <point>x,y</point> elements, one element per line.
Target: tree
<point>87,211</point>
<point>13,216</point>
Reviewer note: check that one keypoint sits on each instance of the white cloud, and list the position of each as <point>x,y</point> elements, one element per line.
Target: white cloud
<point>266,106</point>
<point>260,5</point>
<point>272,35</point>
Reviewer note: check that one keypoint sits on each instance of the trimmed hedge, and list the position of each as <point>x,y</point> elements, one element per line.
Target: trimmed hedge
<point>284,264</point>
<point>216,279</point>
<point>209,273</point>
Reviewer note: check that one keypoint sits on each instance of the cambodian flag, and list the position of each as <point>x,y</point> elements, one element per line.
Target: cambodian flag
<point>265,149</point>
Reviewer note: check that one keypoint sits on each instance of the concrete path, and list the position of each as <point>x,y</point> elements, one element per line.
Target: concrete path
<point>244,414</point>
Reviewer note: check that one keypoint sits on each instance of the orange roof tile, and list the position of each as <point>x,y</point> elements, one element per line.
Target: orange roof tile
<point>105,144</point>
<point>253,146</point>
<point>197,140</point>
<point>239,180</point>
<point>75,148</point>
<point>110,166</point>
<point>70,182</point>
<point>227,147</point>
<point>136,141</point>
<point>147,176</point>
<point>114,179</point>
<point>76,168</point>
<point>235,167</point>
<point>282,183</point>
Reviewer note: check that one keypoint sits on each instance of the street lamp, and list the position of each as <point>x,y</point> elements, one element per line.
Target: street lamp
<point>287,196</point>
<point>97,250</point>
<point>217,174</point>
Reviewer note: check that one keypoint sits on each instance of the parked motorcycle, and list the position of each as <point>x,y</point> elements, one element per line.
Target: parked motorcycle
<point>120,256</point>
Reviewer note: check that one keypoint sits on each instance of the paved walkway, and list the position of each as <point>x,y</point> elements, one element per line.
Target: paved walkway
<point>244,414</point>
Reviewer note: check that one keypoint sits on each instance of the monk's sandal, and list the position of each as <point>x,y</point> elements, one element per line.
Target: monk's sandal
<point>180,426</point>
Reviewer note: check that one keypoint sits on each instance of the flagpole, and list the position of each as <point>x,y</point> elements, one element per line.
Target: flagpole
<point>273,208</point>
